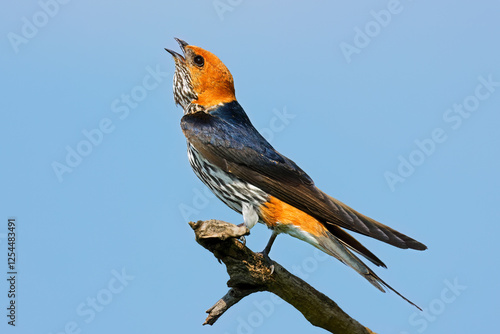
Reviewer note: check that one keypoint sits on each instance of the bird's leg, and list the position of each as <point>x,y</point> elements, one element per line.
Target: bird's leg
<point>265,252</point>
<point>242,238</point>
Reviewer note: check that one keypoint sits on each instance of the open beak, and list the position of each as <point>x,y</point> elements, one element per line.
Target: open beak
<point>176,55</point>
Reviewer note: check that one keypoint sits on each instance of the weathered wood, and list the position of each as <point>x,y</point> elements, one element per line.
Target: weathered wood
<point>249,272</point>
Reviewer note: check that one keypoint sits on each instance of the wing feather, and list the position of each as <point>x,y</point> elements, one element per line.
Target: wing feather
<point>227,138</point>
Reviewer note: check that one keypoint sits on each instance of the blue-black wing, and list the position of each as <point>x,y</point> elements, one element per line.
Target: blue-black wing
<point>226,137</point>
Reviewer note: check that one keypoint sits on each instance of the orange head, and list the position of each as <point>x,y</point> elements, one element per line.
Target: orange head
<point>200,78</point>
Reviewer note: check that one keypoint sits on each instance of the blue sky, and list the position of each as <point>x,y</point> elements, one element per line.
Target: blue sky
<point>390,106</point>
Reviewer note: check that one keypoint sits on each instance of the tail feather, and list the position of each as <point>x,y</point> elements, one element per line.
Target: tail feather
<point>337,248</point>
<point>354,244</point>
<point>375,229</point>
<point>392,289</point>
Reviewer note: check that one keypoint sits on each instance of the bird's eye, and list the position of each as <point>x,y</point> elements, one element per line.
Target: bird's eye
<point>199,61</point>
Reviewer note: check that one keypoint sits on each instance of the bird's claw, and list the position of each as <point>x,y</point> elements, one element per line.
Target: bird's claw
<point>268,260</point>
<point>242,238</point>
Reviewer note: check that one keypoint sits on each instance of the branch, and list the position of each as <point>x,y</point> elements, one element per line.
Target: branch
<point>249,272</point>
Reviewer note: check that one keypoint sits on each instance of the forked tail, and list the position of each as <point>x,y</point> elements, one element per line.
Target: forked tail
<point>341,251</point>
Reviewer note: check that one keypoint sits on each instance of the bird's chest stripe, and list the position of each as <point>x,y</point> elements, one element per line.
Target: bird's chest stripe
<point>228,188</point>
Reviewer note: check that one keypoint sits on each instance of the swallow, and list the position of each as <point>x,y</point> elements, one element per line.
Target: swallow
<point>245,172</point>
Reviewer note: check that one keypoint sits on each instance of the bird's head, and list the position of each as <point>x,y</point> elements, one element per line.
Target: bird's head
<point>200,78</point>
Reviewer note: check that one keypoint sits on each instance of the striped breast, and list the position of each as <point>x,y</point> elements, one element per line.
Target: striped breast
<point>228,188</point>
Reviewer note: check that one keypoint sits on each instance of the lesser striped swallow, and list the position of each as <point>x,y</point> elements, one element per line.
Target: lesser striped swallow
<point>243,170</point>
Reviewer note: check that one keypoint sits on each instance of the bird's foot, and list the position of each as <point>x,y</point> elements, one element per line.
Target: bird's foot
<point>242,238</point>
<point>268,260</point>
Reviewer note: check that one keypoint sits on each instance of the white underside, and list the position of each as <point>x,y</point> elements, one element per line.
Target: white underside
<point>250,215</point>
